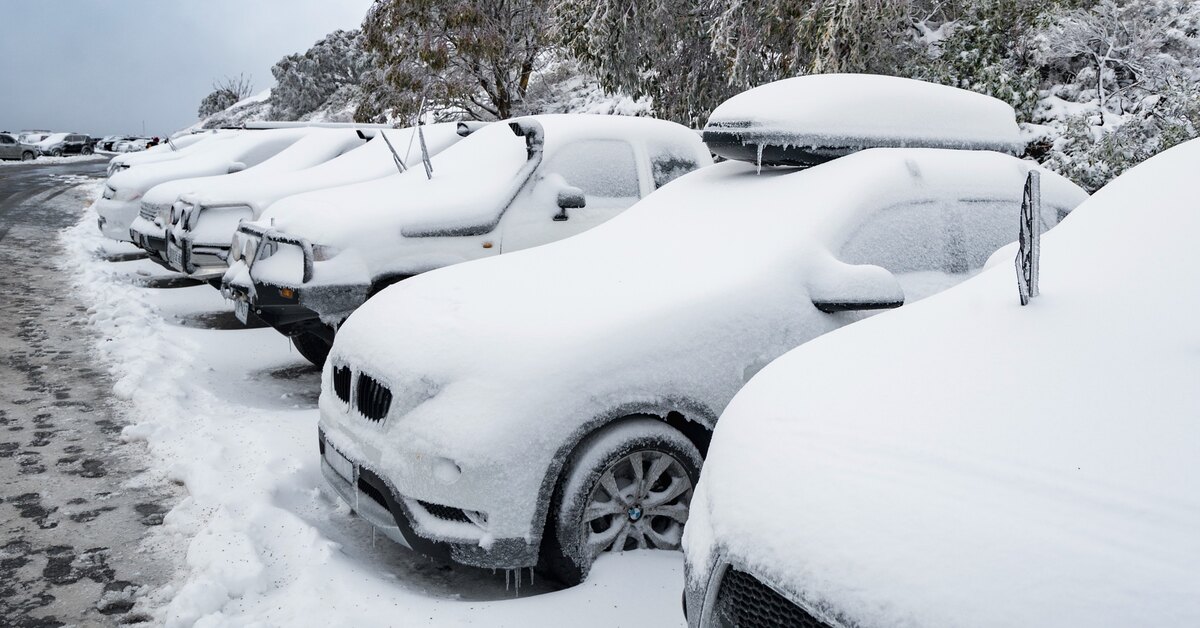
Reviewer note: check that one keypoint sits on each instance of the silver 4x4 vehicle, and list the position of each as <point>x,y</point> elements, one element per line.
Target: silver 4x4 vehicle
<point>312,259</point>
<point>13,148</point>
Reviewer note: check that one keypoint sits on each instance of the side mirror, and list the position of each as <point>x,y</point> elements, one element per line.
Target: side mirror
<point>236,166</point>
<point>569,198</point>
<point>843,288</point>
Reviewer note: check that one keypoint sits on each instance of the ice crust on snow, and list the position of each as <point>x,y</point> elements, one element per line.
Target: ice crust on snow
<point>984,464</point>
<point>837,110</point>
<point>669,306</point>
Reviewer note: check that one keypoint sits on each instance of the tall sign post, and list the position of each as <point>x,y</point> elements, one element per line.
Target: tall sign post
<point>1030,239</point>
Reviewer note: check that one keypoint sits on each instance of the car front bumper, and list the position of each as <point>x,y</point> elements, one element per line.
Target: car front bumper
<point>116,217</point>
<point>271,304</point>
<point>375,499</point>
<point>150,238</point>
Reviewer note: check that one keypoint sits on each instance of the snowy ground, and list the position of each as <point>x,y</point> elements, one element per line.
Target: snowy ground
<point>230,413</point>
<point>45,159</point>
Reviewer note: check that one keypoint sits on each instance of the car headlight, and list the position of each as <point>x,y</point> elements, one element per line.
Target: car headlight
<point>323,253</point>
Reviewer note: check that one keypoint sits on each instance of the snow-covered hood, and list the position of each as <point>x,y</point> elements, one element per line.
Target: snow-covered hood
<point>212,158</point>
<point>184,146</point>
<point>329,158</point>
<point>679,294</point>
<point>979,463</point>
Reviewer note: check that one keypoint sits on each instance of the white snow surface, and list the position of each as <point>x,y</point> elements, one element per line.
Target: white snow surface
<point>314,147</point>
<point>229,414</point>
<point>354,162</point>
<point>672,305</point>
<point>870,110</point>
<point>982,464</point>
<point>473,183</point>
<point>184,145</point>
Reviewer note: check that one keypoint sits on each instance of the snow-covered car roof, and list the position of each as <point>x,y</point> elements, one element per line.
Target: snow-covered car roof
<point>364,162</point>
<point>978,463</point>
<point>854,111</point>
<point>669,275</point>
<point>473,181</point>
<point>210,158</point>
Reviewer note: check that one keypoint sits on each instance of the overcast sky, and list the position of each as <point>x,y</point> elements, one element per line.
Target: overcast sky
<point>105,66</point>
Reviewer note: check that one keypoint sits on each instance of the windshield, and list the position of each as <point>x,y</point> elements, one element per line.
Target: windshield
<point>54,139</point>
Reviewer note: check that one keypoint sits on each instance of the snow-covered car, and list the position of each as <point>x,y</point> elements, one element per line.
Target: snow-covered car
<point>13,148</point>
<point>148,230</point>
<point>175,149</point>
<point>60,144</point>
<point>311,259</point>
<point>221,154</point>
<point>540,408</point>
<point>200,227</point>
<point>135,145</point>
<point>33,137</point>
<point>969,462</point>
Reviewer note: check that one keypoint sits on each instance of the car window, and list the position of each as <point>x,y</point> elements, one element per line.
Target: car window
<point>601,168</point>
<point>911,237</point>
<point>4,139</point>
<point>670,161</point>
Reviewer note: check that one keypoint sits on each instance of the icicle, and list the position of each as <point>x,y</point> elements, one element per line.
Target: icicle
<point>373,529</point>
<point>760,152</point>
<point>517,590</point>
<point>507,574</point>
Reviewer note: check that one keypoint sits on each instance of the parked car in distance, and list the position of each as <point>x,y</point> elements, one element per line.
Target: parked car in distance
<point>132,145</point>
<point>221,154</point>
<point>310,260</point>
<point>970,462</point>
<point>60,144</point>
<point>107,142</point>
<point>542,408</point>
<point>33,136</point>
<point>200,226</point>
<point>12,148</point>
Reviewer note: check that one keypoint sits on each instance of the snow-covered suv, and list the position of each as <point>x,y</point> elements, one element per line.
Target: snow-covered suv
<point>544,407</point>
<point>311,259</point>
<point>200,225</point>
<point>972,462</point>
<point>221,154</point>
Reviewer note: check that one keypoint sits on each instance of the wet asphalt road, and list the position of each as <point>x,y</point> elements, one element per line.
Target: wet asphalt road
<point>73,524</point>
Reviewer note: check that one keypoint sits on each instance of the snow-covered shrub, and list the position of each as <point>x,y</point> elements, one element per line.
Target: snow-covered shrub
<point>226,93</point>
<point>1092,155</point>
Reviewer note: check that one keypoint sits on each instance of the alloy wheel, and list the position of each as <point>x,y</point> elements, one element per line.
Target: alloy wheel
<point>640,502</point>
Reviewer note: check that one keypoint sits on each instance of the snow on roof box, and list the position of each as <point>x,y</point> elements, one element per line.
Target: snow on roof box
<point>808,120</point>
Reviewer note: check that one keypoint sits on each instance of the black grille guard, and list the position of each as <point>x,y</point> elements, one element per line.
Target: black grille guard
<point>270,235</point>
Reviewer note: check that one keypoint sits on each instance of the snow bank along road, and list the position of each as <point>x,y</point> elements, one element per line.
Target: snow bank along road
<point>72,520</point>
<point>177,393</point>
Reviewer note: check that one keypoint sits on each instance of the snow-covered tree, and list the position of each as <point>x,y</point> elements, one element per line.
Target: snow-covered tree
<point>477,56</point>
<point>306,82</point>
<point>1120,47</point>
<point>655,49</point>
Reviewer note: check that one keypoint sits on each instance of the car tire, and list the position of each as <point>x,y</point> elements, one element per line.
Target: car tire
<point>28,156</point>
<point>312,347</point>
<point>86,150</point>
<point>587,518</point>
<point>57,152</point>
